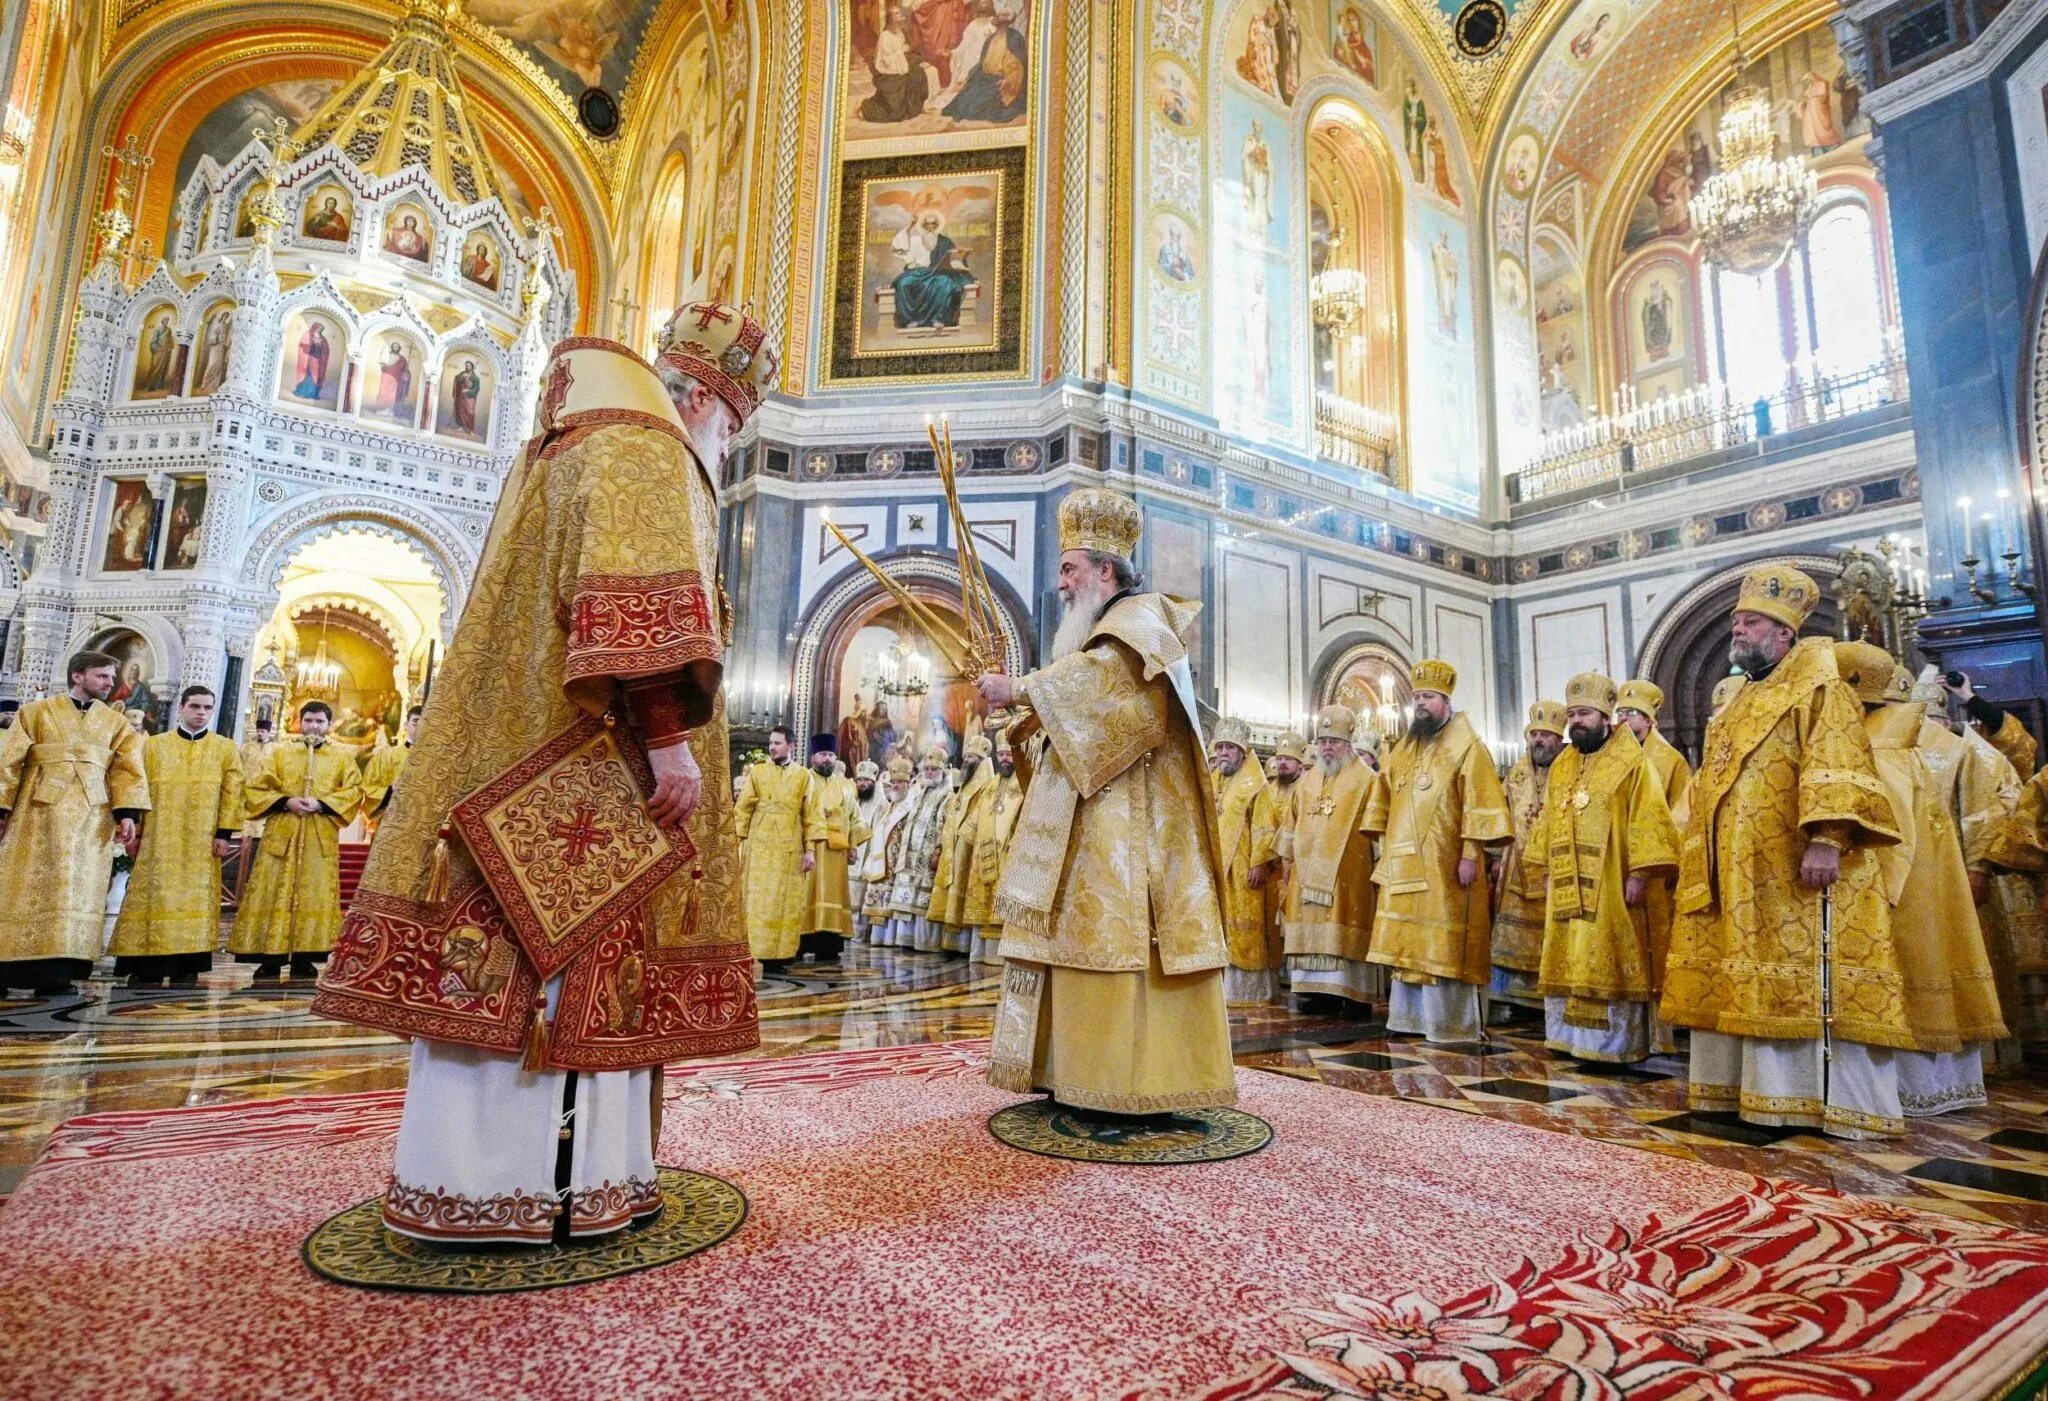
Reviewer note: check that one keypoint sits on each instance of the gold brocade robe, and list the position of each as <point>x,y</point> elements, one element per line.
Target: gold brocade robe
<point>63,772</point>
<point>881,855</point>
<point>832,830</point>
<point>173,900</point>
<point>1604,820</point>
<point>1674,775</point>
<point>1951,998</point>
<point>1786,758</point>
<point>2017,744</point>
<point>252,759</point>
<point>1330,891</point>
<point>951,882</point>
<point>1273,820</point>
<point>1519,892</point>
<point>991,845</point>
<point>380,774</point>
<point>1244,909</point>
<point>773,817</point>
<point>1438,801</point>
<point>601,568</point>
<point>292,903</point>
<point>1111,897</point>
<point>917,860</point>
<point>2015,849</point>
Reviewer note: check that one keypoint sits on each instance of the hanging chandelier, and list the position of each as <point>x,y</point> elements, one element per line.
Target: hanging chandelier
<point>900,672</point>
<point>1754,204</point>
<point>1336,296</point>
<point>317,676</point>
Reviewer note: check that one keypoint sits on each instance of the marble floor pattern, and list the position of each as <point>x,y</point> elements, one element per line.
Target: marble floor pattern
<point>112,1048</point>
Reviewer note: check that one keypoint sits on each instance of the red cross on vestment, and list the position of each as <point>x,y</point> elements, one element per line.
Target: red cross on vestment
<point>582,833</point>
<point>708,313</point>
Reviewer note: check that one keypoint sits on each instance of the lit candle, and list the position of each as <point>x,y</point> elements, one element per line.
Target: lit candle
<point>2008,528</point>
<point>1963,505</point>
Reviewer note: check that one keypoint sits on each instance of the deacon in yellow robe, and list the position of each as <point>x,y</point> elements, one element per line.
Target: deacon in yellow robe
<point>1636,706</point>
<point>1330,894</point>
<point>1787,805</point>
<point>576,735</point>
<point>1241,790</point>
<point>774,815</point>
<point>1112,897</point>
<point>1518,889</point>
<point>382,769</point>
<point>71,785</point>
<point>170,919</point>
<point>991,847</point>
<point>1605,833</point>
<point>1951,998</point>
<point>1436,810</point>
<point>947,912</point>
<point>832,829</point>
<point>306,792</point>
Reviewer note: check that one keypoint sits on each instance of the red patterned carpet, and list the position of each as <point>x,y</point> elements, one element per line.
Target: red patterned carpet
<point>1377,1250</point>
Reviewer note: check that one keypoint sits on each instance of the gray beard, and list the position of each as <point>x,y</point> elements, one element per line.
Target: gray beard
<point>1543,758</point>
<point>1227,768</point>
<point>1750,659</point>
<point>1076,623</point>
<point>1331,767</point>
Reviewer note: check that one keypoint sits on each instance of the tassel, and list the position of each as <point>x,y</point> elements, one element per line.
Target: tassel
<point>437,869</point>
<point>536,1058</point>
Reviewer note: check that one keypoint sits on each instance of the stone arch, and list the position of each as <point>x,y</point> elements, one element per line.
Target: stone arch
<point>1685,650</point>
<point>158,630</point>
<point>838,611</point>
<point>300,523</point>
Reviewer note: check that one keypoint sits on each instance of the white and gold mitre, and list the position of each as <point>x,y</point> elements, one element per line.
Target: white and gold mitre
<point>1867,669</point>
<point>1096,518</point>
<point>1336,722</point>
<point>596,381</point>
<point>1231,730</point>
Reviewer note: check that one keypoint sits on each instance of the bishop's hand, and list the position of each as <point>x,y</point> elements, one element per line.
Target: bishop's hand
<point>997,689</point>
<point>1820,866</point>
<point>678,785</point>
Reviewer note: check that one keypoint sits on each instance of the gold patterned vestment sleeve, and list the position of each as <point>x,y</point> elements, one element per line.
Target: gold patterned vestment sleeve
<point>814,813</point>
<point>1652,837</point>
<point>337,783</point>
<point>266,787</point>
<point>1987,795</point>
<point>1378,807</point>
<point>1265,825</point>
<point>633,579</point>
<point>1486,820</point>
<point>746,804</point>
<point>1838,780</point>
<point>127,781</point>
<point>2017,745</point>
<point>15,745</point>
<point>228,815</point>
<point>1099,714</point>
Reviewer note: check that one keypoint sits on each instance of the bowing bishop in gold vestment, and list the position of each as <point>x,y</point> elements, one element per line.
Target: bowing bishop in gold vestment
<point>1248,864</point>
<point>170,918</point>
<point>306,792</point>
<point>1437,808</point>
<point>954,878</point>
<point>71,785</point>
<point>991,846</point>
<point>551,909</point>
<point>1605,833</point>
<point>1327,924</point>
<point>774,817</point>
<point>1518,885</point>
<point>1951,998</point>
<point>1785,813</point>
<point>832,829</point>
<point>1111,899</point>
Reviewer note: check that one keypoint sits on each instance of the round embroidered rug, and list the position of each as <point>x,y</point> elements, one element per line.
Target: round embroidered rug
<point>1187,1136</point>
<point>353,1247</point>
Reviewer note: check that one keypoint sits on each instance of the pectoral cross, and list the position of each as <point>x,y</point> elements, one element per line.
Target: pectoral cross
<point>1325,807</point>
<point>580,833</point>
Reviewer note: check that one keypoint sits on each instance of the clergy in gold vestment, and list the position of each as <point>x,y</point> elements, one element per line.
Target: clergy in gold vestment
<point>2015,855</point>
<point>170,918</point>
<point>545,978</point>
<point>1241,790</point>
<point>1605,833</point>
<point>1327,923</point>
<point>381,771</point>
<point>1518,887</point>
<point>1787,805</point>
<point>885,852</point>
<point>306,792</point>
<point>1636,707</point>
<point>774,815</point>
<point>1437,808</point>
<point>832,829</point>
<point>955,875</point>
<point>1275,821</point>
<point>917,865</point>
<point>71,785</point>
<point>869,803</point>
<point>1951,999</point>
<point>1111,899</point>
<point>991,846</point>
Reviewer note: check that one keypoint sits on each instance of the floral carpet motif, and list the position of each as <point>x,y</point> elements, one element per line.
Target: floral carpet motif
<point>1779,1292</point>
<point>893,1249</point>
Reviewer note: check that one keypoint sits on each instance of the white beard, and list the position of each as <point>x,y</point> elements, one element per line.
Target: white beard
<point>1331,767</point>
<point>1078,621</point>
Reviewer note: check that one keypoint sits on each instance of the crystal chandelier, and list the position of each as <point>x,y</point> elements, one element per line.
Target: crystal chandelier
<point>1336,296</point>
<point>1754,204</point>
<point>317,675</point>
<point>900,671</point>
